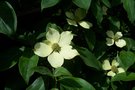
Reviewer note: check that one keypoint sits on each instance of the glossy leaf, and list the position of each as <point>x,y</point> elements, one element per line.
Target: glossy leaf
<point>124,77</point>
<point>90,39</point>
<point>42,70</point>
<point>38,84</point>
<point>61,71</point>
<point>88,58</point>
<point>126,59</point>
<point>97,11</point>
<point>130,9</point>
<point>70,82</point>
<point>26,65</point>
<point>8,19</point>
<point>84,85</point>
<point>85,4</point>
<point>48,3</point>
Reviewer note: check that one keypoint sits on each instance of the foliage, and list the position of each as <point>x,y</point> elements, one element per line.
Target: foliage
<point>24,23</point>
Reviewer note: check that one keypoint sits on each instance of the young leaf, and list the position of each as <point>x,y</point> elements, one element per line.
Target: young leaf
<point>42,70</point>
<point>61,71</point>
<point>8,19</point>
<point>130,9</point>
<point>124,77</point>
<point>38,84</point>
<point>126,59</point>
<point>85,4</point>
<point>48,3</point>
<point>88,58</point>
<point>26,65</point>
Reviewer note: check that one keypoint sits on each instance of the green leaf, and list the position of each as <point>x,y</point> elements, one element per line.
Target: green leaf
<point>90,39</point>
<point>70,82</point>
<point>42,70</point>
<point>107,3</point>
<point>124,77</point>
<point>130,9</point>
<point>88,58</point>
<point>38,84</point>
<point>9,58</point>
<point>126,59</point>
<point>84,85</point>
<point>8,19</point>
<point>130,44</point>
<point>61,71</point>
<point>101,52</point>
<point>97,11</point>
<point>115,23</point>
<point>26,65</point>
<point>85,4</point>
<point>48,3</point>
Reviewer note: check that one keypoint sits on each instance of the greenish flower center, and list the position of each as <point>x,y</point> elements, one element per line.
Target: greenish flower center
<point>114,69</point>
<point>56,47</point>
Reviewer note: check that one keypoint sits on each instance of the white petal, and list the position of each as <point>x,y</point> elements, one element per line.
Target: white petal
<point>72,22</point>
<point>106,65</point>
<point>115,63</point>
<point>85,24</point>
<point>121,70</point>
<point>110,34</point>
<point>55,59</point>
<point>52,35</point>
<point>68,53</point>
<point>42,50</point>
<point>109,42</point>
<point>120,43</point>
<point>118,35</point>
<point>110,73</point>
<point>65,38</point>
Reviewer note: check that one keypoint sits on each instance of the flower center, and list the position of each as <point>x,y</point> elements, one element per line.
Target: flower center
<point>114,69</point>
<point>56,47</point>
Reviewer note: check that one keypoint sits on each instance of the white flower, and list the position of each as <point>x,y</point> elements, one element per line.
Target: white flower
<point>57,47</point>
<point>113,68</point>
<point>115,39</point>
<point>76,17</point>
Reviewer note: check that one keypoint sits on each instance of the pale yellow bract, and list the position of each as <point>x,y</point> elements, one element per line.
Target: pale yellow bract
<point>115,38</point>
<point>112,68</point>
<point>57,47</point>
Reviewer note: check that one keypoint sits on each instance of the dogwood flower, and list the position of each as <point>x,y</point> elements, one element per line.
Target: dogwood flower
<point>76,17</point>
<point>57,47</point>
<point>113,68</point>
<point>115,39</point>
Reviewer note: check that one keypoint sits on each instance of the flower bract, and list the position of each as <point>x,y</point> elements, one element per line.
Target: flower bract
<point>115,38</point>
<point>57,47</point>
<point>112,68</point>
